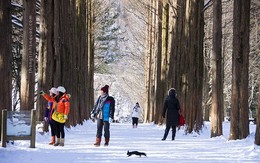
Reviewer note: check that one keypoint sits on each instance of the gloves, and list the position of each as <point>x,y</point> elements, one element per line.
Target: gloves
<point>46,119</point>
<point>41,92</point>
<point>65,116</point>
<point>92,116</point>
<point>110,120</point>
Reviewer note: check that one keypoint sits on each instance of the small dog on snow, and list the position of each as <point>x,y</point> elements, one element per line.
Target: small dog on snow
<point>135,153</point>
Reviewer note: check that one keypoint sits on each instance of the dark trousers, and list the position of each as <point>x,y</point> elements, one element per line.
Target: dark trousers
<point>52,129</point>
<point>59,129</point>
<point>135,121</point>
<point>100,125</point>
<point>167,131</point>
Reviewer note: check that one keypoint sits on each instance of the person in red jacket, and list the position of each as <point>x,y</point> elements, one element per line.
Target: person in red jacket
<point>61,108</point>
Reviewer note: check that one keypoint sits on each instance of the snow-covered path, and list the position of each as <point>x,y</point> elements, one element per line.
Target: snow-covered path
<point>146,138</point>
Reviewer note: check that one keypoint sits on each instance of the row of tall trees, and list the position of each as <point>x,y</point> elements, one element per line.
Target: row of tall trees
<point>64,55</point>
<point>174,58</point>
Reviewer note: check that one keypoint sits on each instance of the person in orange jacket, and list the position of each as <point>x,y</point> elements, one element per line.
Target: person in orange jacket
<point>61,108</point>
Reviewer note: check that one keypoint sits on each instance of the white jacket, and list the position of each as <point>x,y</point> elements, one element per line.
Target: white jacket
<point>136,111</point>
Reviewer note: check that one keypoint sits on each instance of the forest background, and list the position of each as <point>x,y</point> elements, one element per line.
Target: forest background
<point>207,50</point>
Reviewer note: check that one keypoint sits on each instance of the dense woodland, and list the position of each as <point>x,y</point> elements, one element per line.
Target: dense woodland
<point>208,50</point>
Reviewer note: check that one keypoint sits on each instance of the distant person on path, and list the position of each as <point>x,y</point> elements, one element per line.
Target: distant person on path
<point>48,114</point>
<point>172,107</point>
<point>135,115</point>
<point>104,112</point>
<point>61,108</point>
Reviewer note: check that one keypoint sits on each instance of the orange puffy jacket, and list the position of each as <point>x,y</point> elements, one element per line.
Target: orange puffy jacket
<point>63,106</point>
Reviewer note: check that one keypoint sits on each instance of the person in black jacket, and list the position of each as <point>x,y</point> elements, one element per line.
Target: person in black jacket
<point>172,107</point>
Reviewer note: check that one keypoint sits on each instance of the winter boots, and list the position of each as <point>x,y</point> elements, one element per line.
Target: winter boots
<point>98,140</point>
<point>52,140</point>
<point>57,142</point>
<point>106,141</point>
<point>61,142</point>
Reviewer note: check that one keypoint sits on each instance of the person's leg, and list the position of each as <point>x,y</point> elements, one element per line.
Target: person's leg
<point>52,129</point>
<point>99,132</point>
<point>62,140</point>
<point>107,132</point>
<point>100,125</point>
<point>57,132</point>
<point>52,133</point>
<point>133,121</point>
<point>166,132</point>
<point>173,132</point>
<point>136,122</point>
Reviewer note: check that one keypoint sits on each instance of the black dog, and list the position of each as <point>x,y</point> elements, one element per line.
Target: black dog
<point>135,153</point>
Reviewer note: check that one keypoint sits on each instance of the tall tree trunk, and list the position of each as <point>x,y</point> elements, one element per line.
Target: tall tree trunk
<point>29,53</point>
<point>164,62</point>
<point>217,74</point>
<point>46,60</point>
<point>5,57</point>
<point>188,52</point>
<point>158,84</point>
<point>240,59</point>
<point>148,60</point>
<point>90,53</point>
<point>257,133</point>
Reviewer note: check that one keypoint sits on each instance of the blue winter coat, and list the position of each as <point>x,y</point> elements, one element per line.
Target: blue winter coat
<point>107,111</point>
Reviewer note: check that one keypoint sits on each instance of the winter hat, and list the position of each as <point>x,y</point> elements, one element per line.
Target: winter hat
<point>137,103</point>
<point>105,89</point>
<point>53,90</point>
<point>61,89</point>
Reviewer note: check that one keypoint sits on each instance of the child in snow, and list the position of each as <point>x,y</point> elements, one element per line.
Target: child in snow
<point>48,114</point>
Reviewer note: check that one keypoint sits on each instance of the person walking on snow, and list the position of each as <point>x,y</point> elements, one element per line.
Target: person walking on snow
<point>103,111</point>
<point>135,115</point>
<point>48,114</point>
<point>172,107</point>
<point>61,108</point>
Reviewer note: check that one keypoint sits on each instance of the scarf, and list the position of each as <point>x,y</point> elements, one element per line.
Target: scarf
<point>101,102</point>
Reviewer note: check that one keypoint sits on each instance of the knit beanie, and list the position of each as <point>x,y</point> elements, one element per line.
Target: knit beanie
<point>105,89</point>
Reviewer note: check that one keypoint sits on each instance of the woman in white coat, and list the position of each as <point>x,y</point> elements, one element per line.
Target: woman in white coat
<point>135,115</point>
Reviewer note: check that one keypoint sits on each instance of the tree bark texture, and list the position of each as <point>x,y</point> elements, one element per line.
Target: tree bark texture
<point>63,55</point>
<point>5,57</point>
<point>239,128</point>
<point>187,61</point>
<point>29,55</point>
<point>217,74</point>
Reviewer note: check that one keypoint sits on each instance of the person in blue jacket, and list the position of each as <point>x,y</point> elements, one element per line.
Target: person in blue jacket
<point>103,111</point>
<point>48,114</point>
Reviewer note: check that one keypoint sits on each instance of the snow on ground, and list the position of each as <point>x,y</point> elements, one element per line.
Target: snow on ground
<point>146,138</point>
